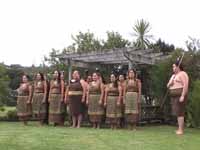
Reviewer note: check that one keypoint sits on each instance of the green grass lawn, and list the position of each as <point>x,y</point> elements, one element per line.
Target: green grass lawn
<point>15,136</point>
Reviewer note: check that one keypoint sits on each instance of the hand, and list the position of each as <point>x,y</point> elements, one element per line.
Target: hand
<point>100,102</point>
<point>118,103</point>
<point>105,104</point>
<point>28,102</point>
<point>83,100</point>
<point>66,101</point>
<point>87,102</point>
<point>44,100</point>
<point>181,99</point>
<point>61,100</point>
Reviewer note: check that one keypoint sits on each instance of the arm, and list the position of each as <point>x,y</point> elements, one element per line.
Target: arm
<point>185,81</point>
<point>66,95</point>
<point>62,90</point>
<point>120,95</point>
<point>84,90</point>
<point>30,93</point>
<point>139,91</point>
<point>102,93</point>
<point>171,81</point>
<point>106,95</point>
<point>124,93</point>
<point>87,95</point>
<point>45,92</point>
<point>50,90</point>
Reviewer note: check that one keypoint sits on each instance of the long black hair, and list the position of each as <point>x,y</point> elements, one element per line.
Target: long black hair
<point>116,81</point>
<point>58,75</point>
<point>135,75</point>
<point>179,64</point>
<point>27,76</point>
<point>41,74</point>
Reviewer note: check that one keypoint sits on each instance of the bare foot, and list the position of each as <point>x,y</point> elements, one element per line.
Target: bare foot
<point>73,126</point>
<point>179,132</point>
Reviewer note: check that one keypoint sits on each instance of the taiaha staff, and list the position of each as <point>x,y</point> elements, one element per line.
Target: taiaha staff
<point>165,97</point>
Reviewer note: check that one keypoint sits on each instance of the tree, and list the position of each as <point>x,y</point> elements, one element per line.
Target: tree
<point>161,46</point>
<point>141,32</point>
<point>115,40</point>
<point>4,80</point>
<point>193,44</point>
<point>86,42</point>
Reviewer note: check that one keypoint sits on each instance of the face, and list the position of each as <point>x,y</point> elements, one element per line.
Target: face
<point>174,68</point>
<point>112,78</point>
<point>62,76</point>
<point>121,78</point>
<point>94,77</point>
<point>131,74</point>
<point>76,75</point>
<point>38,77</point>
<point>55,75</point>
<point>89,79</point>
<point>24,79</point>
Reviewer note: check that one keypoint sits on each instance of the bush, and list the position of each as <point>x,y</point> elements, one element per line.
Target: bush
<point>193,108</point>
<point>2,108</point>
<point>12,114</point>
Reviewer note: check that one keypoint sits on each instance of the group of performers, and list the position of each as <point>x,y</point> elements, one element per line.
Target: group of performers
<point>117,103</point>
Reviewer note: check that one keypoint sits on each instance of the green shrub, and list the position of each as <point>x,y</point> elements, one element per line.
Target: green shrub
<point>12,114</point>
<point>193,107</point>
<point>2,108</point>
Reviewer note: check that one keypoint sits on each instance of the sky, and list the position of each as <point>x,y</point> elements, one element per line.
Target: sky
<point>29,29</point>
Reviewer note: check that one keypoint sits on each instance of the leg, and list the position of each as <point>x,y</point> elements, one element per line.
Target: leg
<point>73,121</point>
<point>79,120</point>
<point>180,125</point>
<point>25,122</point>
<point>94,125</point>
<point>98,125</point>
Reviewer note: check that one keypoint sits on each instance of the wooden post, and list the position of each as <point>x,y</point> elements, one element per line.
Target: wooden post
<point>130,65</point>
<point>69,70</point>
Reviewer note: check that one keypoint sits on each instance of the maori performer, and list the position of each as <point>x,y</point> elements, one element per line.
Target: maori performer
<point>56,100</point>
<point>39,100</point>
<point>75,97</point>
<point>24,111</point>
<point>94,100</point>
<point>132,96</point>
<point>112,102</point>
<point>178,89</point>
<point>122,84</point>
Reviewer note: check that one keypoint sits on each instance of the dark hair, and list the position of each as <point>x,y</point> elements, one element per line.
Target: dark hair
<point>41,74</point>
<point>134,73</point>
<point>178,64</point>
<point>27,76</point>
<point>78,74</point>
<point>122,74</point>
<point>116,81</point>
<point>58,74</point>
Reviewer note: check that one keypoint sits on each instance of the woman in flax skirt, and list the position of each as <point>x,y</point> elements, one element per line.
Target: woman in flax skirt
<point>56,100</point>
<point>132,93</point>
<point>112,102</point>
<point>75,97</point>
<point>24,100</point>
<point>122,84</point>
<point>94,100</point>
<point>39,98</point>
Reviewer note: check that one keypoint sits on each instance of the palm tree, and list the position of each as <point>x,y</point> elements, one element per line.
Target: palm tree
<point>141,30</point>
